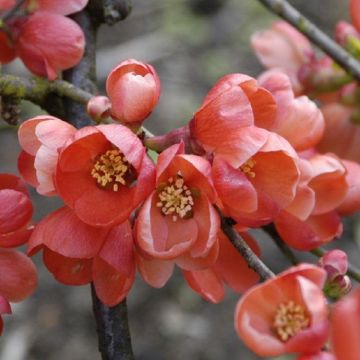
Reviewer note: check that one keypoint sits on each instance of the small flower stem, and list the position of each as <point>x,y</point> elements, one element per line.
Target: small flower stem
<point>283,9</point>
<point>353,271</point>
<point>271,231</point>
<point>239,243</point>
<point>113,330</point>
<point>11,12</point>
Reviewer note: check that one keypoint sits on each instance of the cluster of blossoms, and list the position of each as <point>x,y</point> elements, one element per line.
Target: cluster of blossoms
<point>258,151</point>
<point>18,273</point>
<point>249,153</point>
<point>41,35</point>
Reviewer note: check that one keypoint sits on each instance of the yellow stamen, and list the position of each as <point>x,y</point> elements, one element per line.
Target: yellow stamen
<point>111,168</point>
<point>290,318</point>
<point>247,168</point>
<point>176,199</point>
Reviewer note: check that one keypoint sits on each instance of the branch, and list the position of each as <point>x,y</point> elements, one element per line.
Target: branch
<point>271,231</point>
<point>112,323</point>
<point>37,89</point>
<point>353,271</point>
<point>239,243</point>
<point>113,330</point>
<point>283,9</point>
<point>11,12</point>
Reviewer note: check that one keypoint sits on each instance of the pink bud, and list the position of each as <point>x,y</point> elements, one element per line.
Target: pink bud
<point>343,30</point>
<point>335,262</point>
<point>134,89</point>
<point>99,108</point>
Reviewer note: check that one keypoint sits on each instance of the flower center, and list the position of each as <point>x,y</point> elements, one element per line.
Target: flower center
<point>176,199</point>
<point>247,168</point>
<point>111,169</point>
<point>290,318</point>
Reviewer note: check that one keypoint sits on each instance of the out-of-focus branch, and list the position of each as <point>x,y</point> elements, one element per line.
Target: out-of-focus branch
<point>283,9</point>
<point>239,243</point>
<point>11,12</point>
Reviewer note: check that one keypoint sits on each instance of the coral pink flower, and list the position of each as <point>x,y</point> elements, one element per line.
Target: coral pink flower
<point>299,120</point>
<point>224,124</point>
<point>265,315</point>
<point>254,192</point>
<point>18,279</point>
<point>48,43</point>
<point>177,223</point>
<point>283,47</point>
<point>102,255</point>
<point>351,202</point>
<point>313,221</point>
<point>229,269</point>
<point>45,40</point>
<point>341,136</point>
<point>134,89</point>
<point>345,327</point>
<point>99,108</point>
<point>41,139</point>
<point>15,212</point>
<point>104,174</point>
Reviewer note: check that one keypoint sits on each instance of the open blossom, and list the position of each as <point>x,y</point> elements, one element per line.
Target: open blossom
<point>77,253</point>
<point>299,120</point>
<point>225,122</point>
<point>41,139</point>
<point>285,48</point>
<point>45,40</point>
<point>177,223</point>
<point>286,314</point>
<point>229,269</point>
<point>326,188</point>
<point>345,327</point>
<point>104,174</point>
<point>341,135</point>
<point>258,188</point>
<point>18,279</point>
<point>15,212</point>
<point>134,89</point>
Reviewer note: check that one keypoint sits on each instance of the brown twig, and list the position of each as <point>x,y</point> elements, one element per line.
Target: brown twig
<point>250,257</point>
<point>283,9</point>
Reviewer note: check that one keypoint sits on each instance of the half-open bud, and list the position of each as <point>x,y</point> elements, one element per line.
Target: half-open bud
<point>134,89</point>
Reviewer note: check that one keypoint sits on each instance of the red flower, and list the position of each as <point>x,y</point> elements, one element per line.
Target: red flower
<point>104,174</point>
<point>18,279</point>
<point>229,269</point>
<point>134,89</point>
<point>355,13</point>
<point>326,180</point>
<point>224,124</point>
<point>15,212</point>
<point>322,355</point>
<point>286,314</point>
<point>77,253</point>
<point>46,41</point>
<point>41,139</point>
<point>254,191</point>
<point>345,327</point>
<point>177,223</point>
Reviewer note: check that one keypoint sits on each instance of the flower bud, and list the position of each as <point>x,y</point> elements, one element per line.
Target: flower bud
<point>99,108</point>
<point>335,263</point>
<point>348,37</point>
<point>134,89</point>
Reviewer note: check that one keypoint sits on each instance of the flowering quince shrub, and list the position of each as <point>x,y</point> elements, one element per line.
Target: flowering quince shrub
<point>257,153</point>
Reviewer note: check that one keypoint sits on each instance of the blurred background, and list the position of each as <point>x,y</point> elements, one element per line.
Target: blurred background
<point>191,43</point>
